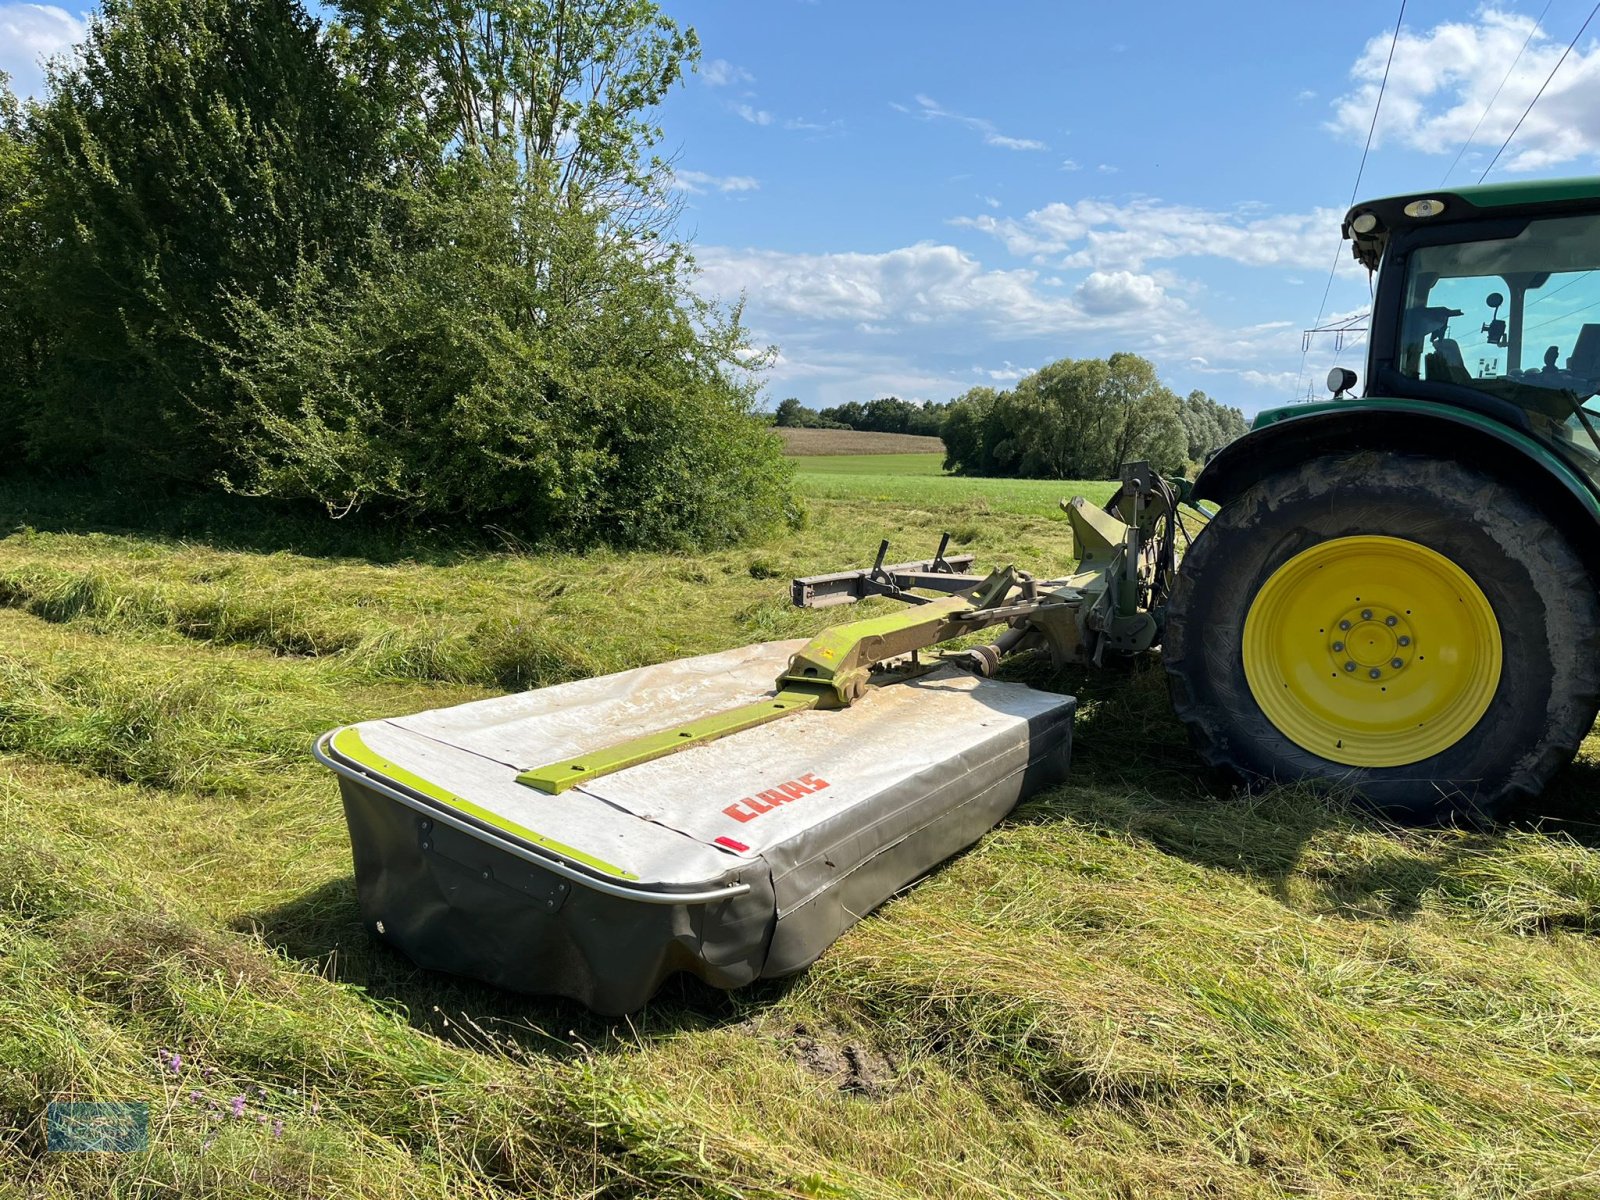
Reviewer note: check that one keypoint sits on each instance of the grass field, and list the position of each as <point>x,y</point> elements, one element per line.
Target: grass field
<point>922,465</point>
<point>918,482</point>
<point>1136,986</point>
<point>958,500</point>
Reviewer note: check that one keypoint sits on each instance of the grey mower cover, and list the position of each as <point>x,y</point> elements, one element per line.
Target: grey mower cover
<point>737,859</point>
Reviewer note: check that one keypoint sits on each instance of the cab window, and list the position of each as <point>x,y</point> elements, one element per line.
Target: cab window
<point>1517,318</point>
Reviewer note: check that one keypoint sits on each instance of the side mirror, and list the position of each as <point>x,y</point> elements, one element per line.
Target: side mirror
<point>1340,381</point>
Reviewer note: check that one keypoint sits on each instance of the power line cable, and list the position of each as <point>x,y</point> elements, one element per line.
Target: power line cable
<point>1540,92</point>
<point>1566,316</point>
<point>1338,248</point>
<point>1541,299</point>
<point>1485,113</point>
<point>1377,107</point>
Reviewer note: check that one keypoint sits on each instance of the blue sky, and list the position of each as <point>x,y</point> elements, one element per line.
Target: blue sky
<point>919,198</point>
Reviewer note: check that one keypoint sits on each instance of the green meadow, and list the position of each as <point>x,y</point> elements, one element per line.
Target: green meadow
<point>918,481</point>
<point>921,465</point>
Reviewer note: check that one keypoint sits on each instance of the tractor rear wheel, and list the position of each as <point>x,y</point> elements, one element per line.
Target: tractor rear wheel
<point>1407,626</point>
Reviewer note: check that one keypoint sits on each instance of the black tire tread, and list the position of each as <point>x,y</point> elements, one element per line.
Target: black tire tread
<point>1571,606</point>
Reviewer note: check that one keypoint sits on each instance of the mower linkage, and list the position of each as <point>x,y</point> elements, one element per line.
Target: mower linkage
<point>937,574</point>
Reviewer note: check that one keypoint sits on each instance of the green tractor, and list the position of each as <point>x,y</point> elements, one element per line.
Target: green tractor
<point>1398,590</point>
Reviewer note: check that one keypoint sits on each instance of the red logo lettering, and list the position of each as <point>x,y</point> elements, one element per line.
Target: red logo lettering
<point>750,807</point>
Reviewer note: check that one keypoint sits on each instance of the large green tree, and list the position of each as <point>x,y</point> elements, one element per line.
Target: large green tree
<point>791,414</point>
<point>190,151</point>
<point>1072,419</point>
<point>973,433</point>
<point>415,262</point>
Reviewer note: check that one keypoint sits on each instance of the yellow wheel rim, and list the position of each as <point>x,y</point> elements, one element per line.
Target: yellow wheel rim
<point>1372,651</point>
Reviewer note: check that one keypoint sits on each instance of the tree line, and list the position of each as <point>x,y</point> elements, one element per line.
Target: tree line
<point>1073,419</point>
<point>416,258</point>
<point>887,414</point>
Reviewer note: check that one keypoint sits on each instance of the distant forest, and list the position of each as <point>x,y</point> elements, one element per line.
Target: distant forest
<point>889,414</point>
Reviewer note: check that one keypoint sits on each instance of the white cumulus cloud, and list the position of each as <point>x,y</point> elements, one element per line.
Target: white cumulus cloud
<point>756,116</point>
<point>1276,380</point>
<point>920,285</point>
<point>1013,143</point>
<point>1104,235</point>
<point>1006,372</point>
<point>906,320</point>
<point>1104,292</point>
<point>1443,79</point>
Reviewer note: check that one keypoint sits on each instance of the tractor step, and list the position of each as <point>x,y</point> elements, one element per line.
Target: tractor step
<point>739,858</point>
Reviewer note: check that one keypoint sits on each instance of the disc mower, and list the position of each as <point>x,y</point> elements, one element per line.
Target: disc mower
<point>1394,593</point>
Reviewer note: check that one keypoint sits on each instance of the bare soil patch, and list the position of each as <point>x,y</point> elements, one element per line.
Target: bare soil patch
<point>849,441</point>
<point>848,1065</point>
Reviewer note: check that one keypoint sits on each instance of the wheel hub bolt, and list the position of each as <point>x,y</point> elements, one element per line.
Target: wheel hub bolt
<point>1396,649</point>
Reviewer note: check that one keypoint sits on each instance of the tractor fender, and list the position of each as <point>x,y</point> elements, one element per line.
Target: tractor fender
<point>1281,438</point>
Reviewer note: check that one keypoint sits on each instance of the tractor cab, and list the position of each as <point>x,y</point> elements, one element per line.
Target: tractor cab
<point>1488,299</point>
